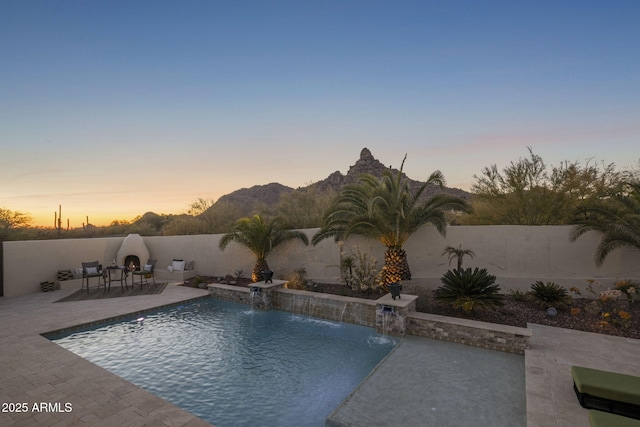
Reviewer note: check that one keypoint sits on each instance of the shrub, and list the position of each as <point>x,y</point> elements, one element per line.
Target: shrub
<point>518,295</point>
<point>629,289</point>
<point>360,271</point>
<point>297,279</point>
<point>469,289</point>
<point>549,294</point>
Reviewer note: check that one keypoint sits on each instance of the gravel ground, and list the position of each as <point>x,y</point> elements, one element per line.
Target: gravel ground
<point>515,313</point>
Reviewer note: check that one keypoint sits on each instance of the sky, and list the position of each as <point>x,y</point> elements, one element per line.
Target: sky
<point>116,108</point>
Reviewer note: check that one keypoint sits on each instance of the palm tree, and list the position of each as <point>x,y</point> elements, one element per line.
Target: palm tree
<point>260,237</point>
<point>458,253</point>
<point>384,209</point>
<point>618,219</point>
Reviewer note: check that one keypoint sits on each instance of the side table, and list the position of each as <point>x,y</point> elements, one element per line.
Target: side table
<point>123,276</point>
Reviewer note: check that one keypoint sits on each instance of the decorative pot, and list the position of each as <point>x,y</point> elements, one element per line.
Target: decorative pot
<point>267,276</point>
<point>395,289</point>
<point>47,286</point>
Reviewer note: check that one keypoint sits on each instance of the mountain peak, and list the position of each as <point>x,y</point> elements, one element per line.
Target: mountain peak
<point>365,154</point>
<point>247,199</point>
<point>366,164</point>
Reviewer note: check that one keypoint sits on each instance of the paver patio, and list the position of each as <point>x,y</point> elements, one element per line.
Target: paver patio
<point>34,370</point>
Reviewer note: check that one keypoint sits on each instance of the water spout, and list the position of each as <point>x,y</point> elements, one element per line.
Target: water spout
<point>254,290</point>
<point>343,311</point>
<point>388,309</point>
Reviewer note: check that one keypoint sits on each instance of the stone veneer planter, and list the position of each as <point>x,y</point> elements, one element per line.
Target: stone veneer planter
<point>364,312</point>
<point>506,338</point>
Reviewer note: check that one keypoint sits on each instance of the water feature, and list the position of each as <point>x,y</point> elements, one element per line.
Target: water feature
<point>233,367</point>
<point>343,311</point>
<point>254,291</point>
<point>311,303</point>
<point>386,312</point>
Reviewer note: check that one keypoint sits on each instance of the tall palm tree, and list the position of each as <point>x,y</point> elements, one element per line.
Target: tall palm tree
<point>260,237</point>
<point>458,253</point>
<point>384,209</point>
<point>617,219</point>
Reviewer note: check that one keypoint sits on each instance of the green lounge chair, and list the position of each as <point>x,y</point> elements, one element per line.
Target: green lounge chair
<point>606,419</point>
<point>607,391</point>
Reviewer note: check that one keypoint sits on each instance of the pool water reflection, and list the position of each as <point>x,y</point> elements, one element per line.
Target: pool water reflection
<point>232,366</point>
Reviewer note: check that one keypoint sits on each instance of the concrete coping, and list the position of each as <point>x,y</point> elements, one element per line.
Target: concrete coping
<point>228,287</point>
<point>323,296</point>
<point>402,302</point>
<point>263,285</point>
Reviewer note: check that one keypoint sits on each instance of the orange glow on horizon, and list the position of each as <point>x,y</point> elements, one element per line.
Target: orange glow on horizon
<point>76,221</point>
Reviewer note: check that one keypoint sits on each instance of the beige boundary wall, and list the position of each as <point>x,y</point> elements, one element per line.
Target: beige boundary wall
<point>517,255</point>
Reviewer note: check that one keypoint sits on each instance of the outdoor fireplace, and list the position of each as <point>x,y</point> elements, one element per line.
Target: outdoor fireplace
<point>133,249</point>
<point>132,259</point>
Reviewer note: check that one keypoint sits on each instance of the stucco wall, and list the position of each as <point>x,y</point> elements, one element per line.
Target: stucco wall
<point>517,255</point>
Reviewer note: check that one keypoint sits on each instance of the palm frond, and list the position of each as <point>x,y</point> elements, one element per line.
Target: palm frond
<point>617,219</point>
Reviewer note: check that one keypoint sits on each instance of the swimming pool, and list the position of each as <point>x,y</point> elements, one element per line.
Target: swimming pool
<point>232,366</point>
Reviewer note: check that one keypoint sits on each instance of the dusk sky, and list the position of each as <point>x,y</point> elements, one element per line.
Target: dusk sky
<point>116,108</point>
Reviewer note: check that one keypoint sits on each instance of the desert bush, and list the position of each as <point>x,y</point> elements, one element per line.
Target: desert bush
<point>605,303</point>
<point>469,289</point>
<point>629,289</point>
<point>297,279</point>
<point>549,294</point>
<point>360,271</point>
<point>518,295</point>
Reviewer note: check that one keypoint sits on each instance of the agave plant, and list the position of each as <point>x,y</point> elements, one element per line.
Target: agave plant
<point>469,289</point>
<point>260,237</point>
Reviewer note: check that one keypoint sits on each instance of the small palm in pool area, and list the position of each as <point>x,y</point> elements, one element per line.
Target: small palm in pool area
<point>260,236</point>
<point>458,254</point>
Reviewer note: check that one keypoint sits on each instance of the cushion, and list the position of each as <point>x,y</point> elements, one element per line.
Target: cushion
<point>177,265</point>
<point>605,419</point>
<point>92,270</point>
<point>607,385</point>
<point>147,267</point>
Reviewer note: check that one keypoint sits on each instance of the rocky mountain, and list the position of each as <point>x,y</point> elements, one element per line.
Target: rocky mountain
<point>248,199</point>
<point>369,164</point>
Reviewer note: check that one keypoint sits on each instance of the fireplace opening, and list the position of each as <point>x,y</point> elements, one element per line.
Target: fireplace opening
<point>132,259</point>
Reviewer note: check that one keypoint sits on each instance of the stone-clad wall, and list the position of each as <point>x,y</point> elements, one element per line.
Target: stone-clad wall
<point>363,312</point>
<point>230,293</point>
<point>510,339</point>
<point>325,306</point>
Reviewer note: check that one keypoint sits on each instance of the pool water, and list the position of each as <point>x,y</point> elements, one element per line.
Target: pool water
<point>232,366</point>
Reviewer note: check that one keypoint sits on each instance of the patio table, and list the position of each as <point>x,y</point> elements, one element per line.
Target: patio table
<point>123,276</point>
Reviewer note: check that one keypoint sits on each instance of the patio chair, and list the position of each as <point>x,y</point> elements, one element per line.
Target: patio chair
<point>92,269</point>
<point>146,271</point>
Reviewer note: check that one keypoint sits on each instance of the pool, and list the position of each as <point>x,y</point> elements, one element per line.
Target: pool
<point>232,366</point>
